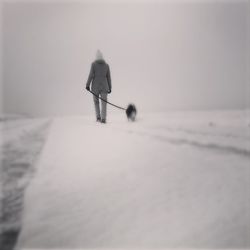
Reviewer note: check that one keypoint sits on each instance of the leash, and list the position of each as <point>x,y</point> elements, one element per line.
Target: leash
<point>106,100</point>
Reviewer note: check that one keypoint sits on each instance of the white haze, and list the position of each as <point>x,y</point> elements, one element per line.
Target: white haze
<point>1,60</point>
<point>163,56</point>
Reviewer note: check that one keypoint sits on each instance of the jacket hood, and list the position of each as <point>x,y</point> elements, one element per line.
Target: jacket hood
<point>99,55</point>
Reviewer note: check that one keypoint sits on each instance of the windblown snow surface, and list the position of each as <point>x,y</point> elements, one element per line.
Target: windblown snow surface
<point>21,141</point>
<point>167,180</point>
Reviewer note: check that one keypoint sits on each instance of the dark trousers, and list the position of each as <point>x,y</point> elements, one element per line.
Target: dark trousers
<point>103,113</point>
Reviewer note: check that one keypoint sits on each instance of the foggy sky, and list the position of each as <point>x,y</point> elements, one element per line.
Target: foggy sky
<point>163,56</point>
<point>1,60</point>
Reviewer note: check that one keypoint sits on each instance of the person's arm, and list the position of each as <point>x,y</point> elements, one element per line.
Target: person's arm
<point>91,77</point>
<point>109,79</point>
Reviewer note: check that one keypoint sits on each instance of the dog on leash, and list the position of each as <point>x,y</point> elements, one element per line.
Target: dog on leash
<point>131,112</point>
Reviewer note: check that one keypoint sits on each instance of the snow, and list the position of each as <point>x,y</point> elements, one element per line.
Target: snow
<point>20,144</point>
<point>167,180</point>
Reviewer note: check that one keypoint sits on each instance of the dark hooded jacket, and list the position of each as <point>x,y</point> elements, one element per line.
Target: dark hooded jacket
<point>100,77</point>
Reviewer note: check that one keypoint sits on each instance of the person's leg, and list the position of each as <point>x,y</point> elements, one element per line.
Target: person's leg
<point>104,107</point>
<point>97,108</point>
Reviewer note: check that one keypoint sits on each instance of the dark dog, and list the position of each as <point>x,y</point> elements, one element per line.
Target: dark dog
<point>131,112</point>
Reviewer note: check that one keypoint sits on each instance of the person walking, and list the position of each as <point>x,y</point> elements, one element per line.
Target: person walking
<point>100,81</point>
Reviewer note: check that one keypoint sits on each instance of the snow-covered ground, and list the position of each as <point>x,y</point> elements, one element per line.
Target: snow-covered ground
<point>167,180</point>
<point>21,140</point>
